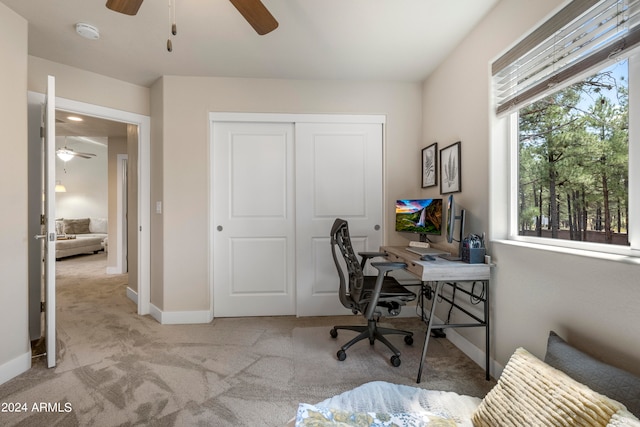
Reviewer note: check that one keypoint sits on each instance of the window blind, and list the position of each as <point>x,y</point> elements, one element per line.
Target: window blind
<point>582,35</point>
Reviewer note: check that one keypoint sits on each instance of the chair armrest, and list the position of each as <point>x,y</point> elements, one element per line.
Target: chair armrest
<point>388,266</point>
<point>368,255</point>
<point>371,254</point>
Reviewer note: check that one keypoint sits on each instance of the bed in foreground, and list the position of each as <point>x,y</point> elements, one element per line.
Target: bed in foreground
<point>530,392</point>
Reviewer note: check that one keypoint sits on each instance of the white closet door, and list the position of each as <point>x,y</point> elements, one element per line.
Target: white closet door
<point>253,208</point>
<point>338,174</point>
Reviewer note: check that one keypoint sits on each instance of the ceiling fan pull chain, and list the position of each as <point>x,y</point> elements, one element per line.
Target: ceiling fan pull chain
<point>174,28</point>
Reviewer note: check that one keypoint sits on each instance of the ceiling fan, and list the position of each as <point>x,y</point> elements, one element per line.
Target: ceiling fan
<point>253,11</point>
<point>67,154</point>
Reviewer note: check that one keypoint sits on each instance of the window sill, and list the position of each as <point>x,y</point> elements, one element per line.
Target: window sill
<point>633,257</point>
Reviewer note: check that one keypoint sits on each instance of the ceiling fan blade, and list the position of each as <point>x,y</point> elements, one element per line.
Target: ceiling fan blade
<point>256,15</point>
<point>84,155</point>
<point>128,7</point>
<point>70,152</point>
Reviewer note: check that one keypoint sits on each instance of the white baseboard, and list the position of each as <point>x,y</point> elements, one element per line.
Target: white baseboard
<point>114,270</point>
<point>132,295</point>
<point>15,367</point>
<point>180,317</point>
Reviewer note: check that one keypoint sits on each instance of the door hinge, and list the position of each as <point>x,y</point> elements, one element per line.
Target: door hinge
<point>43,219</point>
<point>43,306</point>
<point>41,132</point>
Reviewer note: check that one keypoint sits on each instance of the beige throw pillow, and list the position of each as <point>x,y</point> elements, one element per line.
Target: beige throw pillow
<point>532,393</point>
<point>76,226</point>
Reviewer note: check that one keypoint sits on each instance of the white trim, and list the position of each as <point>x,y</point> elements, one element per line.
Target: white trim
<point>144,191</point>
<point>629,258</point>
<point>121,226</point>
<point>634,153</point>
<point>132,295</point>
<point>181,317</point>
<point>15,367</point>
<point>155,312</point>
<point>296,118</point>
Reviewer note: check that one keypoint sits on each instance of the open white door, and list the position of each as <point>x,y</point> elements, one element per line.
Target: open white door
<point>49,223</point>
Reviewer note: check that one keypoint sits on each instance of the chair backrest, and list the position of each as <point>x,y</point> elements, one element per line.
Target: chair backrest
<point>351,289</point>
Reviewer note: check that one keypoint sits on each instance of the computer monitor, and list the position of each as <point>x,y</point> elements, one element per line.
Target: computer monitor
<point>452,228</point>
<point>421,216</point>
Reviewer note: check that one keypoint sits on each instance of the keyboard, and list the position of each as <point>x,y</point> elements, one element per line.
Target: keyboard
<point>425,251</point>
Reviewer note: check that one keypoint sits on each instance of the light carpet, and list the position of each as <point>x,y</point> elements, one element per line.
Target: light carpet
<point>116,368</point>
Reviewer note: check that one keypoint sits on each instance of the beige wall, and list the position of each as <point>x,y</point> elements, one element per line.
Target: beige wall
<point>184,103</point>
<point>156,220</point>
<point>591,302</point>
<point>15,352</point>
<point>85,86</point>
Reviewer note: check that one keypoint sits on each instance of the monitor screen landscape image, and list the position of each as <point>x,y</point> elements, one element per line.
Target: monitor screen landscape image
<point>423,216</point>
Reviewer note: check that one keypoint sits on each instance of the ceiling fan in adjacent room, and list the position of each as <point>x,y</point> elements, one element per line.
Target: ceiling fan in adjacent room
<point>253,11</point>
<point>67,154</point>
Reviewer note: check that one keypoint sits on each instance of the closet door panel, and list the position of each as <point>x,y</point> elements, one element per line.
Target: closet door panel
<point>253,209</point>
<point>338,174</point>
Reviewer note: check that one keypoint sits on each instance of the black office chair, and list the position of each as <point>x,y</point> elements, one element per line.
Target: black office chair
<point>369,295</point>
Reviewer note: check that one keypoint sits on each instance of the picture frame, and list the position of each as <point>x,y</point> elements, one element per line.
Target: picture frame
<point>450,176</point>
<point>430,165</point>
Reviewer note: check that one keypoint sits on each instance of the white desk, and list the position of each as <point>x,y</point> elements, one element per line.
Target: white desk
<point>443,272</point>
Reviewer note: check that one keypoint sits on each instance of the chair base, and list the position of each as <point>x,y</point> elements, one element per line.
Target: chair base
<point>373,333</point>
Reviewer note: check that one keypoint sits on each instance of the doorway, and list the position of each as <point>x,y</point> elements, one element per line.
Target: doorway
<point>137,130</point>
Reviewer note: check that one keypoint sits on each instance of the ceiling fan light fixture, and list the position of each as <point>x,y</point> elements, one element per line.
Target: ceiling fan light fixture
<point>87,31</point>
<point>64,155</point>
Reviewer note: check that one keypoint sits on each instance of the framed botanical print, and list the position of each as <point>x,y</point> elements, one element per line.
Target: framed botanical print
<point>450,181</point>
<point>430,165</point>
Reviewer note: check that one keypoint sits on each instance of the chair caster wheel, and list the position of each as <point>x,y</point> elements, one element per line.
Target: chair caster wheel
<point>408,339</point>
<point>395,361</point>
<point>333,332</point>
<point>341,355</point>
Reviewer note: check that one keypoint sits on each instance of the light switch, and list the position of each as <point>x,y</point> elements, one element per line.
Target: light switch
<point>158,207</point>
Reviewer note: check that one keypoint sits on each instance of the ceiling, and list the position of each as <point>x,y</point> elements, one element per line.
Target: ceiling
<point>88,127</point>
<point>390,40</point>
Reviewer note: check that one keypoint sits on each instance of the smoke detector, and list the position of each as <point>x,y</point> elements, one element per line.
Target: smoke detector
<point>87,31</point>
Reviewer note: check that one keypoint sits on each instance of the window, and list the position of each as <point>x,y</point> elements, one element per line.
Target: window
<point>573,161</point>
<point>567,90</point>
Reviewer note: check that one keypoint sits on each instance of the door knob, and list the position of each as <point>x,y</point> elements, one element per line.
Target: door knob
<point>376,227</point>
<point>219,228</point>
<point>52,236</point>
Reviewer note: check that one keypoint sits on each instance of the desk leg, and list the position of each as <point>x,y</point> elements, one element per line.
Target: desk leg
<point>429,325</point>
